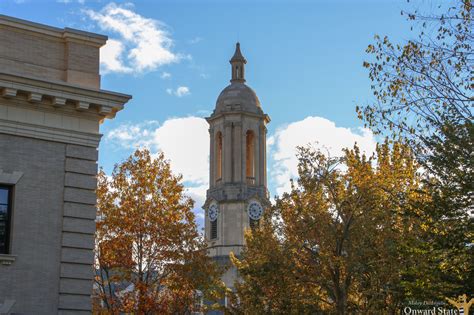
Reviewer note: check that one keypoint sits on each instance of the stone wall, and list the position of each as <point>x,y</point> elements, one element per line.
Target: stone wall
<point>53,54</point>
<point>53,225</point>
<point>36,230</point>
<point>50,111</point>
<point>78,228</point>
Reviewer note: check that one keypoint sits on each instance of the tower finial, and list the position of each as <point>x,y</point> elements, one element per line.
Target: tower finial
<point>238,62</point>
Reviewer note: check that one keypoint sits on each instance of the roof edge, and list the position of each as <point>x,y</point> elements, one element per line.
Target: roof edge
<point>67,32</point>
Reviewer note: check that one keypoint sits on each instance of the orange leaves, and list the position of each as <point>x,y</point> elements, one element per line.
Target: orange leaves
<point>148,248</point>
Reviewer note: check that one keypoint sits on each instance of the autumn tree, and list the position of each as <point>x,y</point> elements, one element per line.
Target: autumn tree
<point>423,96</point>
<point>333,244</point>
<point>150,257</point>
<point>269,283</point>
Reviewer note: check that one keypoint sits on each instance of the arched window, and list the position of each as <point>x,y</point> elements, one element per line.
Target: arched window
<point>250,157</point>
<point>219,156</point>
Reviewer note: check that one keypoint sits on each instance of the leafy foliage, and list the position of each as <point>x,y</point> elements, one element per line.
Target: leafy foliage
<point>423,92</point>
<point>150,258</point>
<point>334,244</point>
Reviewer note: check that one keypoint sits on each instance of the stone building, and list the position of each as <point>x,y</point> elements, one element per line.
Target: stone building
<point>51,106</point>
<point>237,194</point>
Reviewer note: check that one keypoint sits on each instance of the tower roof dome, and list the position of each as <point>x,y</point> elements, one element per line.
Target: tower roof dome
<point>238,96</point>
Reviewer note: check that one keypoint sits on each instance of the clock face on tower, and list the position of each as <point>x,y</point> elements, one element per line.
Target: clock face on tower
<point>255,210</point>
<point>213,212</point>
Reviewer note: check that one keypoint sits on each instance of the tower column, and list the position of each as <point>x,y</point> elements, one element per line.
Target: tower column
<point>227,161</point>
<point>243,143</point>
<point>237,151</point>
<point>264,155</point>
<point>257,162</point>
<point>212,158</point>
<point>262,166</point>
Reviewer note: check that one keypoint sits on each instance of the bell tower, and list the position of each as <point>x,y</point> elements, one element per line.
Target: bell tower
<point>237,194</point>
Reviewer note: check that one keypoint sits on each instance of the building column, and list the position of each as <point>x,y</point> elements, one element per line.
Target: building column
<point>243,145</point>
<point>212,158</point>
<point>257,161</point>
<point>237,154</point>
<point>262,165</point>
<point>227,159</point>
<point>264,156</point>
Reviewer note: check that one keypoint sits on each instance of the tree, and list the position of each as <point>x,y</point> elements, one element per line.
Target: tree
<point>269,284</point>
<point>423,96</point>
<point>334,244</point>
<point>150,258</point>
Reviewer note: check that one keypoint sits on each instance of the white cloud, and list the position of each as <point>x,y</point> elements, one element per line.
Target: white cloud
<point>189,155</point>
<point>165,75</point>
<point>110,56</point>
<point>185,142</point>
<point>145,44</point>
<point>179,92</point>
<point>321,133</point>
<point>130,136</point>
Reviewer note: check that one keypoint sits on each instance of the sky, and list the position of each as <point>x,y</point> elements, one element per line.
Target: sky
<point>304,62</point>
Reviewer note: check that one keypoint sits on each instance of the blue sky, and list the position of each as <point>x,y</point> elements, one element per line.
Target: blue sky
<point>304,61</point>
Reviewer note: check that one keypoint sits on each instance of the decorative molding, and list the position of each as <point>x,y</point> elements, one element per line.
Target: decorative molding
<point>34,97</point>
<point>9,92</point>
<point>106,111</point>
<point>58,94</point>
<point>58,101</point>
<point>80,105</point>
<point>10,178</point>
<point>214,116</point>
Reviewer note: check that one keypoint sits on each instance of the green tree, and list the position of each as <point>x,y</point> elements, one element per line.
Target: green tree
<point>334,244</point>
<point>423,93</point>
<point>150,256</point>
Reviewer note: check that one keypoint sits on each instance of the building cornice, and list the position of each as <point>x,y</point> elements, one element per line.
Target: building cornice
<point>213,117</point>
<point>62,95</point>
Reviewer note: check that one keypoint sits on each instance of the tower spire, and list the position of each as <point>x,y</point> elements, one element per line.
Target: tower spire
<point>238,62</point>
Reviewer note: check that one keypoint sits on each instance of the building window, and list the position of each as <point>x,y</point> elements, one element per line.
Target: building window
<point>219,156</point>
<point>250,157</point>
<point>5,218</point>
<point>213,230</point>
